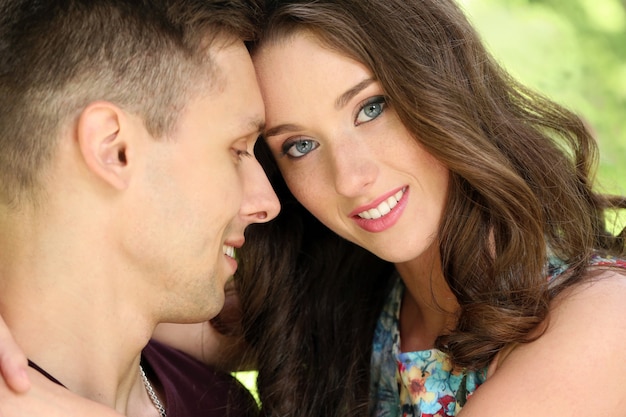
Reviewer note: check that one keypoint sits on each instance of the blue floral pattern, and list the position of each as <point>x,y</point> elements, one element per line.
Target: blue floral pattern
<point>424,383</point>
<point>420,383</point>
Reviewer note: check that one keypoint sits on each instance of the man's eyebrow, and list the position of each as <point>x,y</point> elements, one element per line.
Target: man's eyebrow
<point>255,125</point>
<point>348,95</point>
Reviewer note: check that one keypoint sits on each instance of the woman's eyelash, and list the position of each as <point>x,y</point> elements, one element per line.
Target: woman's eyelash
<point>286,147</point>
<point>370,109</point>
<point>302,146</point>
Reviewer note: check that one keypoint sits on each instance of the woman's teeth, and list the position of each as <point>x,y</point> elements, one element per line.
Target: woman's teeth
<point>383,208</point>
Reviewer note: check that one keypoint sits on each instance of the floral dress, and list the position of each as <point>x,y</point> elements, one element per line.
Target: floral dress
<point>423,383</point>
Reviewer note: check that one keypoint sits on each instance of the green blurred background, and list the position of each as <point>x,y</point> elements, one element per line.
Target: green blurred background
<point>573,51</point>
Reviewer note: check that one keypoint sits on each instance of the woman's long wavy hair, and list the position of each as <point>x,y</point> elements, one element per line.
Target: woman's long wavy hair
<point>310,301</point>
<point>521,171</point>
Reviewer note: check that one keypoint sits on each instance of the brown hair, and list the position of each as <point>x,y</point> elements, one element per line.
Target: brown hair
<point>521,177</point>
<point>57,57</point>
<point>310,301</point>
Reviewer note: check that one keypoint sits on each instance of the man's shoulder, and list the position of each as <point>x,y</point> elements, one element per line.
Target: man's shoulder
<point>193,388</point>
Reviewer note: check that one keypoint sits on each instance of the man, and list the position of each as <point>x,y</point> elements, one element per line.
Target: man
<point>126,182</point>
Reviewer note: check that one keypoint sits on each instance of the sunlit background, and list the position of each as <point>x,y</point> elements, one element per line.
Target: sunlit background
<point>574,51</point>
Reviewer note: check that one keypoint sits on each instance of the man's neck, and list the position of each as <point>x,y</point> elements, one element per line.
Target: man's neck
<point>90,341</point>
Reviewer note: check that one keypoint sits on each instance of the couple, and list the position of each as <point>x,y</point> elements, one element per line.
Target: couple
<point>392,126</point>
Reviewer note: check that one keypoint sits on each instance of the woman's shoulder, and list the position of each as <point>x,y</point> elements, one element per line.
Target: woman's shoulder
<point>577,361</point>
<point>600,291</point>
<point>601,296</point>
<point>591,314</point>
<point>604,279</point>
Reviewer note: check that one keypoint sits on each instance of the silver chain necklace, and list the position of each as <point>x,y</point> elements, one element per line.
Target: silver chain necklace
<point>152,393</point>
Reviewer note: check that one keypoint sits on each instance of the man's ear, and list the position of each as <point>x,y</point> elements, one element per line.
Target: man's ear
<point>103,134</point>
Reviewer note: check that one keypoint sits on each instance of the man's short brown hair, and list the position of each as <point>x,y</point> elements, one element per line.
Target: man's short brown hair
<point>56,57</point>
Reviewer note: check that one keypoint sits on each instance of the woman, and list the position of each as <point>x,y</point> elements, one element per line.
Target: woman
<point>459,230</point>
<point>392,125</point>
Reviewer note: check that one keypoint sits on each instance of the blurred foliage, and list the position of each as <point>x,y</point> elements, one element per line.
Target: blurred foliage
<point>573,51</point>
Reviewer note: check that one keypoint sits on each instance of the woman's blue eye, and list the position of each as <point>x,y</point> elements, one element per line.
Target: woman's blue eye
<point>371,110</point>
<point>299,147</point>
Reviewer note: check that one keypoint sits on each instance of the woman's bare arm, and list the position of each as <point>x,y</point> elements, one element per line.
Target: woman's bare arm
<point>13,362</point>
<point>576,368</point>
<point>47,399</point>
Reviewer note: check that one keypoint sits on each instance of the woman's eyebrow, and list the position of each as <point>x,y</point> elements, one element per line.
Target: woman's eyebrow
<point>343,99</point>
<point>281,129</point>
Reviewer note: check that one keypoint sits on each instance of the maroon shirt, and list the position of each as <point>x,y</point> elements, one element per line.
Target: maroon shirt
<point>193,389</point>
